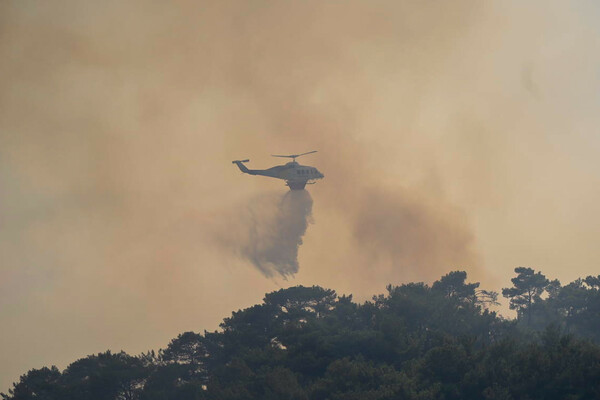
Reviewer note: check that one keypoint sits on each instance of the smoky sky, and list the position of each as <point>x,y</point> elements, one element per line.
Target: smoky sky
<point>452,135</point>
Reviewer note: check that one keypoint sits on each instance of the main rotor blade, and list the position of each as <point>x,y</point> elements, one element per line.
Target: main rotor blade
<point>294,155</point>
<point>310,152</point>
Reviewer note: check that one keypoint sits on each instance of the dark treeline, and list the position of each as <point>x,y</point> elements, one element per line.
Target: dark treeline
<point>415,342</point>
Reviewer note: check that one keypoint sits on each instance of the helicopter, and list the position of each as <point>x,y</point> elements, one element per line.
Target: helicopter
<point>296,176</point>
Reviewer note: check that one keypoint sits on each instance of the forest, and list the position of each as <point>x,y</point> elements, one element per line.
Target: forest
<point>417,341</point>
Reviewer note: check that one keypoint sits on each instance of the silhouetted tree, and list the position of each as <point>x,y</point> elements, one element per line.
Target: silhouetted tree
<point>576,306</point>
<point>453,286</point>
<point>358,379</point>
<point>104,376</point>
<point>40,384</point>
<point>527,289</point>
<point>416,342</point>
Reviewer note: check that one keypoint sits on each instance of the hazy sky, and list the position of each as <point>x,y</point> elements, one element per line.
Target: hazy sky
<point>452,135</point>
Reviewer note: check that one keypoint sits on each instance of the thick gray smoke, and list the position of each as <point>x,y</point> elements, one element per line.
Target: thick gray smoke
<point>269,232</point>
<point>453,135</point>
<point>413,234</point>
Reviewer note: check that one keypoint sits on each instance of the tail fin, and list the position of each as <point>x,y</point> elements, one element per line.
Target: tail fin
<point>241,166</point>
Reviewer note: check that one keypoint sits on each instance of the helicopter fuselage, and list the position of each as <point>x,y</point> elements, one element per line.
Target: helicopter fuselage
<point>296,176</point>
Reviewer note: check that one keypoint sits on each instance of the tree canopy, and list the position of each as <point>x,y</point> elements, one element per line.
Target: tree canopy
<point>415,342</point>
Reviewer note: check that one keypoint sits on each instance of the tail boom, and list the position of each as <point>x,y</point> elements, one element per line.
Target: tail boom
<point>242,167</point>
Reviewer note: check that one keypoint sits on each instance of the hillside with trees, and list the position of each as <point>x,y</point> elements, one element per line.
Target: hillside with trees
<point>415,342</point>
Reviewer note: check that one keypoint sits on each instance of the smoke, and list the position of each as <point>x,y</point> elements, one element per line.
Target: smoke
<point>452,135</point>
<point>416,236</point>
<point>269,230</point>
